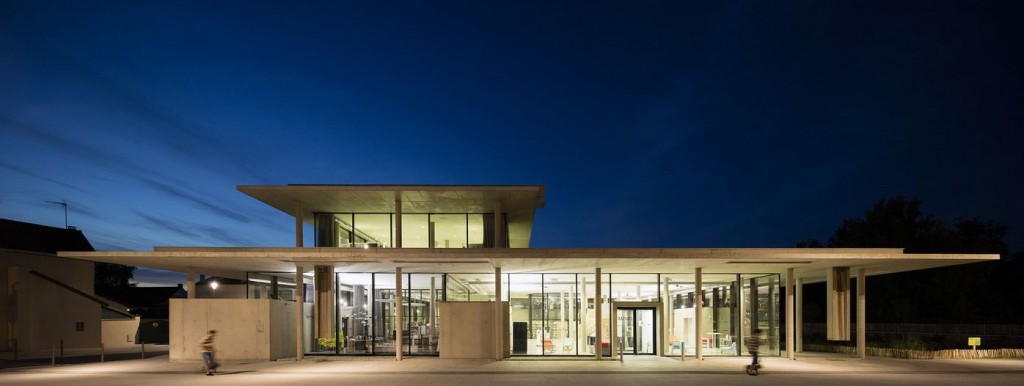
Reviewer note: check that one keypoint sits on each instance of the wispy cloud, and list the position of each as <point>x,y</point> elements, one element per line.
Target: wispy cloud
<point>38,175</point>
<point>193,230</point>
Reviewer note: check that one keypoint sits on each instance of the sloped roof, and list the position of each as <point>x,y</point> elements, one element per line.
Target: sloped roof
<point>24,236</point>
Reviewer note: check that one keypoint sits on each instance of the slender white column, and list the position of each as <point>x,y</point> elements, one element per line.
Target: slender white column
<point>699,315</point>
<point>799,318</point>
<point>300,318</point>
<point>862,326</point>
<point>298,224</point>
<point>399,322</point>
<point>586,321</point>
<point>790,320</point>
<point>666,309</point>
<point>562,323</point>
<point>433,317</point>
<point>597,315</point>
<point>191,283</point>
<point>398,223</point>
<point>499,320</point>
<point>613,333</point>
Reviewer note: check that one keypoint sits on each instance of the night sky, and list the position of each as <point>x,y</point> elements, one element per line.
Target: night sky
<point>651,124</point>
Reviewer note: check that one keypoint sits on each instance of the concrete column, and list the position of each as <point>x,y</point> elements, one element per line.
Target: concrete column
<point>799,318</point>
<point>790,320</point>
<point>586,321</point>
<point>191,283</point>
<point>324,300</point>
<point>433,317</point>
<point>613,325</point>
<point>699,315</point>
<point>298,224</point>
<point>399,322</point>
<point>398,223</point>
<point>862,326</point>
<point>597,315</point>
<point>666,329</point>
<point>300,319</point>
<point>499,341</point>
<point>499,231</point>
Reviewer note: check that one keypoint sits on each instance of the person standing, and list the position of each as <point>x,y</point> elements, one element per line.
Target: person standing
<point>753,346</point>
<point>206,347</point>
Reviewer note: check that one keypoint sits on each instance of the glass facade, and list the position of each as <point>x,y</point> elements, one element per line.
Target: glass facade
<point>550,314</point>
<point>431,230</point>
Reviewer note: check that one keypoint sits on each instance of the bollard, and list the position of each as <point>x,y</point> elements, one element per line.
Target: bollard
<point>101,353</point>
<point>682,351</point>
<point>621,360</point>
<point>143,350</point>
<point>53,356</point>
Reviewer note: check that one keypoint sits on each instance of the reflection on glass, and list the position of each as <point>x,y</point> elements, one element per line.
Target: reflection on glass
<point>271,285</point>
<point>475,230</point>
<point>760,309</point>
<point>469,287</point>
<point>354,313</point>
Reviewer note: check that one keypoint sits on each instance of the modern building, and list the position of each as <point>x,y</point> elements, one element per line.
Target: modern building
<point>447,271</point>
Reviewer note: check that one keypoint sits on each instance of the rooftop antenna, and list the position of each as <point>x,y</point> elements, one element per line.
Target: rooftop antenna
<point>63,203</point>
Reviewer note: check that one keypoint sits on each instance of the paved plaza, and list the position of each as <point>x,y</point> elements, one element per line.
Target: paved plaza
<point>647,371</point>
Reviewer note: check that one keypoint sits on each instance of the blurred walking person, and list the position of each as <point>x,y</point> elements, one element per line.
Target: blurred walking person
<point>753,346</point>
<point>206,346</point>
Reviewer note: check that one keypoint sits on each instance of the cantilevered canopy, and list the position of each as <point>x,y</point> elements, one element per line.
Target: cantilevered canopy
<point>518,201</point>
<point>808,263</point>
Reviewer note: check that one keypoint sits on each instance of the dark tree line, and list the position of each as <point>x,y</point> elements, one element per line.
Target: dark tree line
<point>109,278</point>
<point>987,292</point>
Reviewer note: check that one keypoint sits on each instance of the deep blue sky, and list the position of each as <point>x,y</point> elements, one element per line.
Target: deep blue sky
<point>651,124</point>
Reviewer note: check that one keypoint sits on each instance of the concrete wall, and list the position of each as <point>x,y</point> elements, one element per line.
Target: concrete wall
<point>467,330</point>
<point>282,322</point>
<point>40,314</point>
<point>247,329</point>
<point>119,333</point>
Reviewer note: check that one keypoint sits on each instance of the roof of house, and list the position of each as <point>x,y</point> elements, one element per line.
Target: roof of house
<point>24,236</point>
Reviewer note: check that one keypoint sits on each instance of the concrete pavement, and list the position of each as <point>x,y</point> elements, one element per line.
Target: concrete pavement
<point>648,371</point>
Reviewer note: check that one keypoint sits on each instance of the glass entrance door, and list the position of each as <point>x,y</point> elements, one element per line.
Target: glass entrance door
<point>636,333</point>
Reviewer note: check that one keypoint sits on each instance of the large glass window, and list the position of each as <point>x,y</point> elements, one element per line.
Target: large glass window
<point>423,293</point>
<point>561,319</point>
<point>435,230</point>
<point>372,231</point>
<point>384,324</point>
<point>635,288</point>
<point>475,230</point>
<point>589,322</point>
<point>760,309</point>
<point>354,313</point>
<point>449,230</point>
<point>476,287</point>
<point>415,231</point>
<point>720,315</point>
<point>271,285</point>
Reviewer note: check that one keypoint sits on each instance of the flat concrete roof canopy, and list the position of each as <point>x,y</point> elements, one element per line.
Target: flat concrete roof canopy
<point>808,263</point>
<point>518,201</point>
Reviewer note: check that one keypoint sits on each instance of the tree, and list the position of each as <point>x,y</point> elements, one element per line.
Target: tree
<point>965,293</point>
<point>111,277</point>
